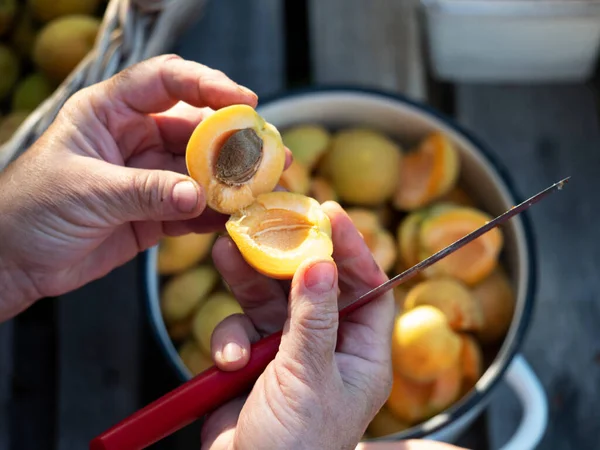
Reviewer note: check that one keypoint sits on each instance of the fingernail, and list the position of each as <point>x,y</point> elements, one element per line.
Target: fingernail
<point>232,352</point>
<point>185,196</point>
<point>247,91</point>
<point>320,277</point>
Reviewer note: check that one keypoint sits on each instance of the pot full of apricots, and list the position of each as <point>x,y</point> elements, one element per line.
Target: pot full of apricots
<point>413,182</point>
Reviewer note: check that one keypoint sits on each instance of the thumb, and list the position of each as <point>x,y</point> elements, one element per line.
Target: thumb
<point>310,334</point>
<point>157,195</point>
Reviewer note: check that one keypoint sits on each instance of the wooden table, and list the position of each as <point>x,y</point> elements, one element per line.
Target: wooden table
<point>71,367</point>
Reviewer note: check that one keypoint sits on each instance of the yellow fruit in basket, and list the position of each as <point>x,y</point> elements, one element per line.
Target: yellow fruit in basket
<point>423,344</point>
<point>179,253</point>
<point>46,10</point>
<point>31,91</point>
<point>23,34</point>
<point>379,240</point>
<point>471,361</point>
<point>8,10</point>
<point>365,165</point>
<point>213,311</point>
<point>9,70</point>
<point>10,123</point>
<point>184,293</point>
<point>193,358</point>
<point>307,143</point>
<point>62,43</point>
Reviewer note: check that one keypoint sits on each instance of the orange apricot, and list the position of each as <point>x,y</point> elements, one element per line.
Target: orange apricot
<point>408,399</point>
<point>193,357</point>
<point>179,253</point>
<point>385,423</point>
<point>445,390</point>
<point>427,173</point>
<point>473,262</point>
<point>364,166</point>
<point>423,344</point>
<point>452,297</point>
<point>408,238</point>
<point>279,231</point>
<point>321,190</point>
<point>235,155</point>
<point>471,360</point>
<point>307,142</point>
<point>295,178</point>
<point>379,240</point>
<point>497,300</point>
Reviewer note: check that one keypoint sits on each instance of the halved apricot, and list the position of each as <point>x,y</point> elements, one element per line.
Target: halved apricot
<point>379,240</point>
<point>408,238</point>
<point>473,262</point>
<point>235,155</point>
<point>179,253</point>
<point>471,360</point>
<point>452,297</point>
<point>385,423</point>
<point>193,357</point>
<point>307,142</point>
<point>184,292</point>
<point>423,344</point>
<point>497,299</point>
<point>321,190</point>
<point>427,173</point>
<point>295,178</point>
<point>408,399</point>
<point>211,313</point>
<point>446,389</point>
<point>364,165</point>
<point>279,231</point>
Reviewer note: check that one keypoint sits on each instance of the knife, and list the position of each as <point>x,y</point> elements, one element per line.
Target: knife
<point>213,387</point>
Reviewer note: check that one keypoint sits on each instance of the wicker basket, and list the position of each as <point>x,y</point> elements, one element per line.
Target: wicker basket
<point>131,31</point>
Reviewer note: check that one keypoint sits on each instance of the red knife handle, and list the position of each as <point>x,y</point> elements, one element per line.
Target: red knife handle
<point>188,402</point>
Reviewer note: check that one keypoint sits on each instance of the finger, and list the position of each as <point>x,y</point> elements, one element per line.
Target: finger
<point>230,342</point>
<point>261,298</point>
<point>310,333</point>
<point>289,158</point>
<point>410,444</point>
<point>219,427</point>
<point>170,79</point>
<point>177,124</point>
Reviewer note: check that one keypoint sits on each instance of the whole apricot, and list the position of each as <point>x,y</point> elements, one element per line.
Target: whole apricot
<point>211,313</point>
<point>279,231</point>
<point>497,300</point>
<point>179,253</point>
<point>235,155</point>
<point>408,399</point>
<point>446,389</point>
<point>424,345</point>
<point>365,166</point>
<point>450,296</point>
<point>321,190</point>
<point>193,358</point>
<point>295,178</point>
<point>385,423</point>
<point>471,360</point>
<point>183,293</point>
<point>307,142</point>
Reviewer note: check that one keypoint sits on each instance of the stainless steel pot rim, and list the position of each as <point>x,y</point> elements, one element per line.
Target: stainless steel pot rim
<point>510,347</point>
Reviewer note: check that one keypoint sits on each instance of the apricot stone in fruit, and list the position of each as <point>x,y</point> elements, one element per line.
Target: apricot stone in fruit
<point>179,253</point>
<point>31,92</point>
<point>321,190</point>
<point>379,240</point>
<point>497,299</point>
<point>450,296</point>
<point>183,293</point>
<point>193,358</point>
<point>62,43</point>
<point>385,423</point>
<point>296,178</point>
<point>211,313</point>
<point>365,165</point>
<point>279,231</point>
<point>427,173</point>
<point>471,263</point>
<point>423,344</point>
<point>235,155</point>
<point>307,142</point>
<point>46,10</point>
<point>471,360</point>
<point>9,70</point>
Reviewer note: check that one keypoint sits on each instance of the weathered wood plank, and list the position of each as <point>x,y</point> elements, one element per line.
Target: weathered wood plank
<point>544,133</point>
<point>375,44</point>
<point>6,371</point>
<point>99,356</point>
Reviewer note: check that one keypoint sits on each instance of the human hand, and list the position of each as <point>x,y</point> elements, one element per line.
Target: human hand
<point>108,179</point>
<point>328,380</point>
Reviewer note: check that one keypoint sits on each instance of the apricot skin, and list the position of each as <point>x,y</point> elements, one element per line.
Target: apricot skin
<point>213,311</point>
<point>280,231</point>
<point>307,142</point>
<point>204,147</point>
<point>379,240</point>
<point>179,253</point>
<point>193,357</point>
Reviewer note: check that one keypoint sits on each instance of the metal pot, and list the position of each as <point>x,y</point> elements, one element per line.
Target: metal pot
<point>489,182</point>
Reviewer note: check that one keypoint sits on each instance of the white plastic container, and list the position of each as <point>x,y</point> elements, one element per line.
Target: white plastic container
<point>512,40</point>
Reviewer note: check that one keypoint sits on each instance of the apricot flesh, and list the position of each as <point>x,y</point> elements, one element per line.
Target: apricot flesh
<point>423,344</point>
<point>184,292</point>
<point>279,231</point>
<point>235,155</point>
<point>211,313</point>
<point>295,178</point>
<point>307,142</point>
<point>450,296</point>
<point>364,166</point>
<point>179,253</point>
<point>471,263</point>
<point>496,298</point>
